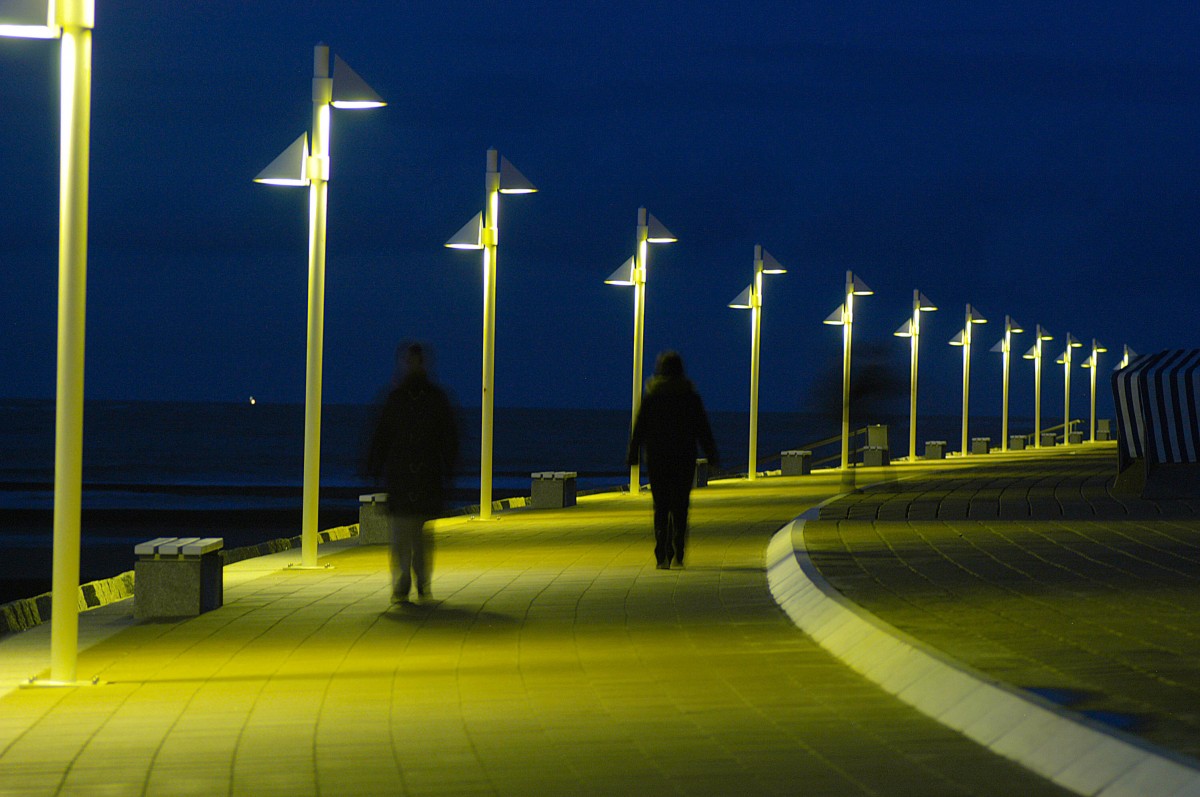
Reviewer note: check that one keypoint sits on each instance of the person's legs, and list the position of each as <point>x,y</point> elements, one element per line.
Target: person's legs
<point>422,556</point>
<point>662,533</point>
<point>406,530</point>
<point>680,496</point>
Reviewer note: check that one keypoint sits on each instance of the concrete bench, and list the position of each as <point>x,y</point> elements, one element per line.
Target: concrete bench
<point>981,445</point>
<point>935,449</point>
<point>374,528</point>
<point>1075,438</point>
<point>875,456</point>
<point>552,489</point>
<point>1049,439</point>
<point>177,577</point>
<point>1016,442</point>
<point>1103,429</point>
<point>795,463</point>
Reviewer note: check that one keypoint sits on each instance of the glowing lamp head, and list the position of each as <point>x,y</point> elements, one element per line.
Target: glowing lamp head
<point>1098,346</point>
<point>855,286</point>
<point>350,91</point>
<point>960,339</point>
<point>974,316</point>
<point>658,233</point>
<point>905,330</point>
<point>1032,354</point>
<point>924,304</point>
<point>769,264</point>
<point>744,300</point>
<point>290,167</point>
<point>29,19</point>
<point>469,236</point>
<point>623,275</point>
<point>512,181</point>
<point>1012,325</point>
<point>837,318</point>
<point>1043,334</point>
<point>1072,342</point>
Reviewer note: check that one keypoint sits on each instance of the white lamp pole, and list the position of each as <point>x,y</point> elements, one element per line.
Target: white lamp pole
<point>751,299</point>
<point>72,21</point>
<point>844,317</point>
<point>633,272</point>
<point>296,167</point>
<point>1035,354</point>
<point>963,339</point>
<point>1004,347</point>
<point>481,232</point>
<point>1065,361</point>
<point>1093,362</point>
<point>912,329</point>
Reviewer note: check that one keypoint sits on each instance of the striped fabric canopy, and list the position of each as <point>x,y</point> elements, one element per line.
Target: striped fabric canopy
<point>1157,398</point>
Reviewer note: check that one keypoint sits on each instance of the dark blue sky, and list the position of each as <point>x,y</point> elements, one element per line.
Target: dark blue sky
<point>1031,159</point>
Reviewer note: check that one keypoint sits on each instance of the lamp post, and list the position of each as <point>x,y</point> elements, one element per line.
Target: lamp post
<point>912,330</point>
<point>1127,356</point>
<point>1035,354</point>
<point>751,299</point>
<point>296,167</point>
<point>844,317</point>
<point>1093,363</point>
<point>1004,347</point>
<point>1064,359</point>
<point>501,177</point>
<point>71,21</point>
<point>963,338</point>
<point>633,272</point>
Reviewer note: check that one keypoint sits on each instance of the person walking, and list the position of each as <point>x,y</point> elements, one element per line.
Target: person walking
<point>412,456</point>
<point>670,423</point>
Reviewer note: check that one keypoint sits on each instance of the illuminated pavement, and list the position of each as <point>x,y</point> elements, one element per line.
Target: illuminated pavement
<point>560,661</point>
<point>1028,569</point>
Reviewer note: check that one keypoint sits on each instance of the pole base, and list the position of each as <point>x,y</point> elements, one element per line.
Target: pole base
<point>298,566</point>
<point>46,683</point>
<point>482,519</point>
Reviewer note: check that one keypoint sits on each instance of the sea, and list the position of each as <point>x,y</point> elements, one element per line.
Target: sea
<point>235,470</point>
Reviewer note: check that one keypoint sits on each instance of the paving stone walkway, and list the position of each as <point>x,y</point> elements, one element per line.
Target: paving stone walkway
<point>1028,568</point>
<point>559,661</point>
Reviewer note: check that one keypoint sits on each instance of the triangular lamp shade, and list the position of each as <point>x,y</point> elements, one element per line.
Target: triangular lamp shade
<point>924,304</point>
<point>350,90</point>
<point>958,339</point>
<point>1032,353</point>
<point>658,234</point>
<point>1013,325</point>
<point>512,181</point>
<point>858,287</point>
<point>470,236</point>
<point>771,265</point>
<point>290,168</point>
<point>1098,346</point>
<point>1087,363</point>
<point>999,347</point>
<point>974,316</point>
<point>837,318</point>
<point>905,330</point>
<point>1043,334</point>
<point>1072,342</point>
<point>28,19</point>
<point>742,300</point>
<point>623,275</point>
<point>1061,359</point>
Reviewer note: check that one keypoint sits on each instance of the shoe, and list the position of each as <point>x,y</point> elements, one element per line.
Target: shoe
<point>679,561</point>
<point>398,599</point>
<point>664,565</point>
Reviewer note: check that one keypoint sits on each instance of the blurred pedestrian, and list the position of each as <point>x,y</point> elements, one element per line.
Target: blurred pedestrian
<point>670,423</point>
<point>412,456</point>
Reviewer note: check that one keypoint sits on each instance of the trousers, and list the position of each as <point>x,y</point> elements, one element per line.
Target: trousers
<point>411,555</point>
<point>671,489</point>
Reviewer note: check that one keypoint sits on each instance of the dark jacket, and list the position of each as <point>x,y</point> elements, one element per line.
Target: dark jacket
<point>670,423</point>
<point>415,446</point>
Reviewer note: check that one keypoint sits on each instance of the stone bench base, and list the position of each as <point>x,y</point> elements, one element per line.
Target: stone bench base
<point>177,577</point>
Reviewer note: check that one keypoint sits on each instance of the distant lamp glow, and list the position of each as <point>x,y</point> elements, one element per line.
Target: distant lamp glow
<point>297,166</point>
<point>72,21</point>
<point>1004,347</point>
<point>290,168</point>
<point>1128,356</point>
<point>481,233</point>
<point>1093,363</point>
<point>1035,354</point>
<point>912,329</point>
<point>963,338</point>
<point>844,317</point>
<point>751,299</point>
<point>633,272</point>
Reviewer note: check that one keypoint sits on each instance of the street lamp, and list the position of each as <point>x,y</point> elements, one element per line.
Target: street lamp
<point>751,299</point>
<point>1064,360</point>
<point>633,272</point>
<point>1127,357</point>
<point>1004,347</point>
<point>844,317</point>
<point>296,167</point>
<point>1035,354</point>
<point>1093,363</point>
<point>71,21</point>
<point>501,177</point>
<point>912,329</point>
<point>963,338</point>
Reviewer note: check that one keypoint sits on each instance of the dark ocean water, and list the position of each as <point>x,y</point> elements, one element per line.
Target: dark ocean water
<point>235,470</point>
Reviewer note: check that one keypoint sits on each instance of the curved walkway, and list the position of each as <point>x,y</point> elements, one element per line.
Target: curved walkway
<point>560,661</point>
<point>1028,570</point>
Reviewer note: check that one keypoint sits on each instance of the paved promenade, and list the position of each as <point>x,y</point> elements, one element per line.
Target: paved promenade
<point>1027,568</point>
<point>558,661</point>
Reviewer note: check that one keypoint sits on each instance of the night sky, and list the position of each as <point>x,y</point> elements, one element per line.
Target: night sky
<point>1031,158</point>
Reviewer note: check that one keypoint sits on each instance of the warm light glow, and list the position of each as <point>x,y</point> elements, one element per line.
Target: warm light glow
<point>623,275</point>
<point>32,19</point>
<point>743,300</point>
<point>512,181</point>
<point>351,92</point>
<point>837,318</point>
<point>30,32</point>
<point>1032,354</point>
<point>858,287</point>
<point>353,105</point>
<point>905,331</point>
<point>290,167</point>
<point>1043,334</point>
<point>960,339</point>
<point>1013,325</point>
<point>770,265</point>
<point>469,236</point>
<point>657,233</point>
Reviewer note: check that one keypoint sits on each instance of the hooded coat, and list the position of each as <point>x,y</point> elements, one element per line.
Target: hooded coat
<point>671,423</point>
